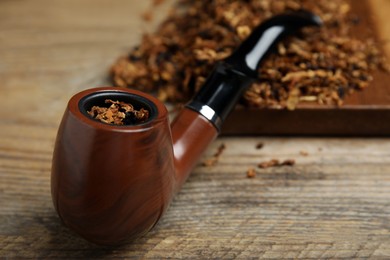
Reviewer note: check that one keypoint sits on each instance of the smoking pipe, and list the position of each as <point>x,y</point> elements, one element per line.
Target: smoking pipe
<point>110,182</point>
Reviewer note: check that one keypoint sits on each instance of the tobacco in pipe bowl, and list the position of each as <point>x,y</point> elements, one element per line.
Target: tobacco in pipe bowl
<point>110,182</point>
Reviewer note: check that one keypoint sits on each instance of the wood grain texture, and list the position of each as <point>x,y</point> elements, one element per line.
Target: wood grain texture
<point>334,203</point>
<point>110,183</point>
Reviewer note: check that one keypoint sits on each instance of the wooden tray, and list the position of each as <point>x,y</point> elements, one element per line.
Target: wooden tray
<point>365,113</point>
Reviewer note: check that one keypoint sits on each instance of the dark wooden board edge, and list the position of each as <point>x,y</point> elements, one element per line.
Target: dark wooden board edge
<point>346,121</point>
<point>360,116</point>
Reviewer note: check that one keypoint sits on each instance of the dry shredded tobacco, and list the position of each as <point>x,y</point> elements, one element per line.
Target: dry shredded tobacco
<point>276,163</point>
<point>317,65</point>
<point>288,162</point>
<point>119,113</point>
<point>259,146</point>
<point>251,173</point>
<point>303,153</point>
<point>214,159</point>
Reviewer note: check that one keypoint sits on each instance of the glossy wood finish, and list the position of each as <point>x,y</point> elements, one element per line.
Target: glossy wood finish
<point>111,182</point>
<point>191,134</point>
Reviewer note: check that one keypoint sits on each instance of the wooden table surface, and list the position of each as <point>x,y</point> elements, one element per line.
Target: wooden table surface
<point>334,203</point>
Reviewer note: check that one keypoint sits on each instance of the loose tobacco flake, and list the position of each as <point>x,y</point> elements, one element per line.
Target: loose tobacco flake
<point>259,145</point>
<point>267,164</point>
<point>303,153</point>
<point>276,163</point>
<point>214,159</point>
<point>288,162</point>
<point>251,173</point>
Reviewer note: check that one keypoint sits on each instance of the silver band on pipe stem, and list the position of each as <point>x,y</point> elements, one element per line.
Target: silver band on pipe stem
<point>206,112</point>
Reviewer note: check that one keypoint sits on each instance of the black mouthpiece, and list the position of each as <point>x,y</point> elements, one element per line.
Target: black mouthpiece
<point>232,76</point>
<point>249,55</point>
